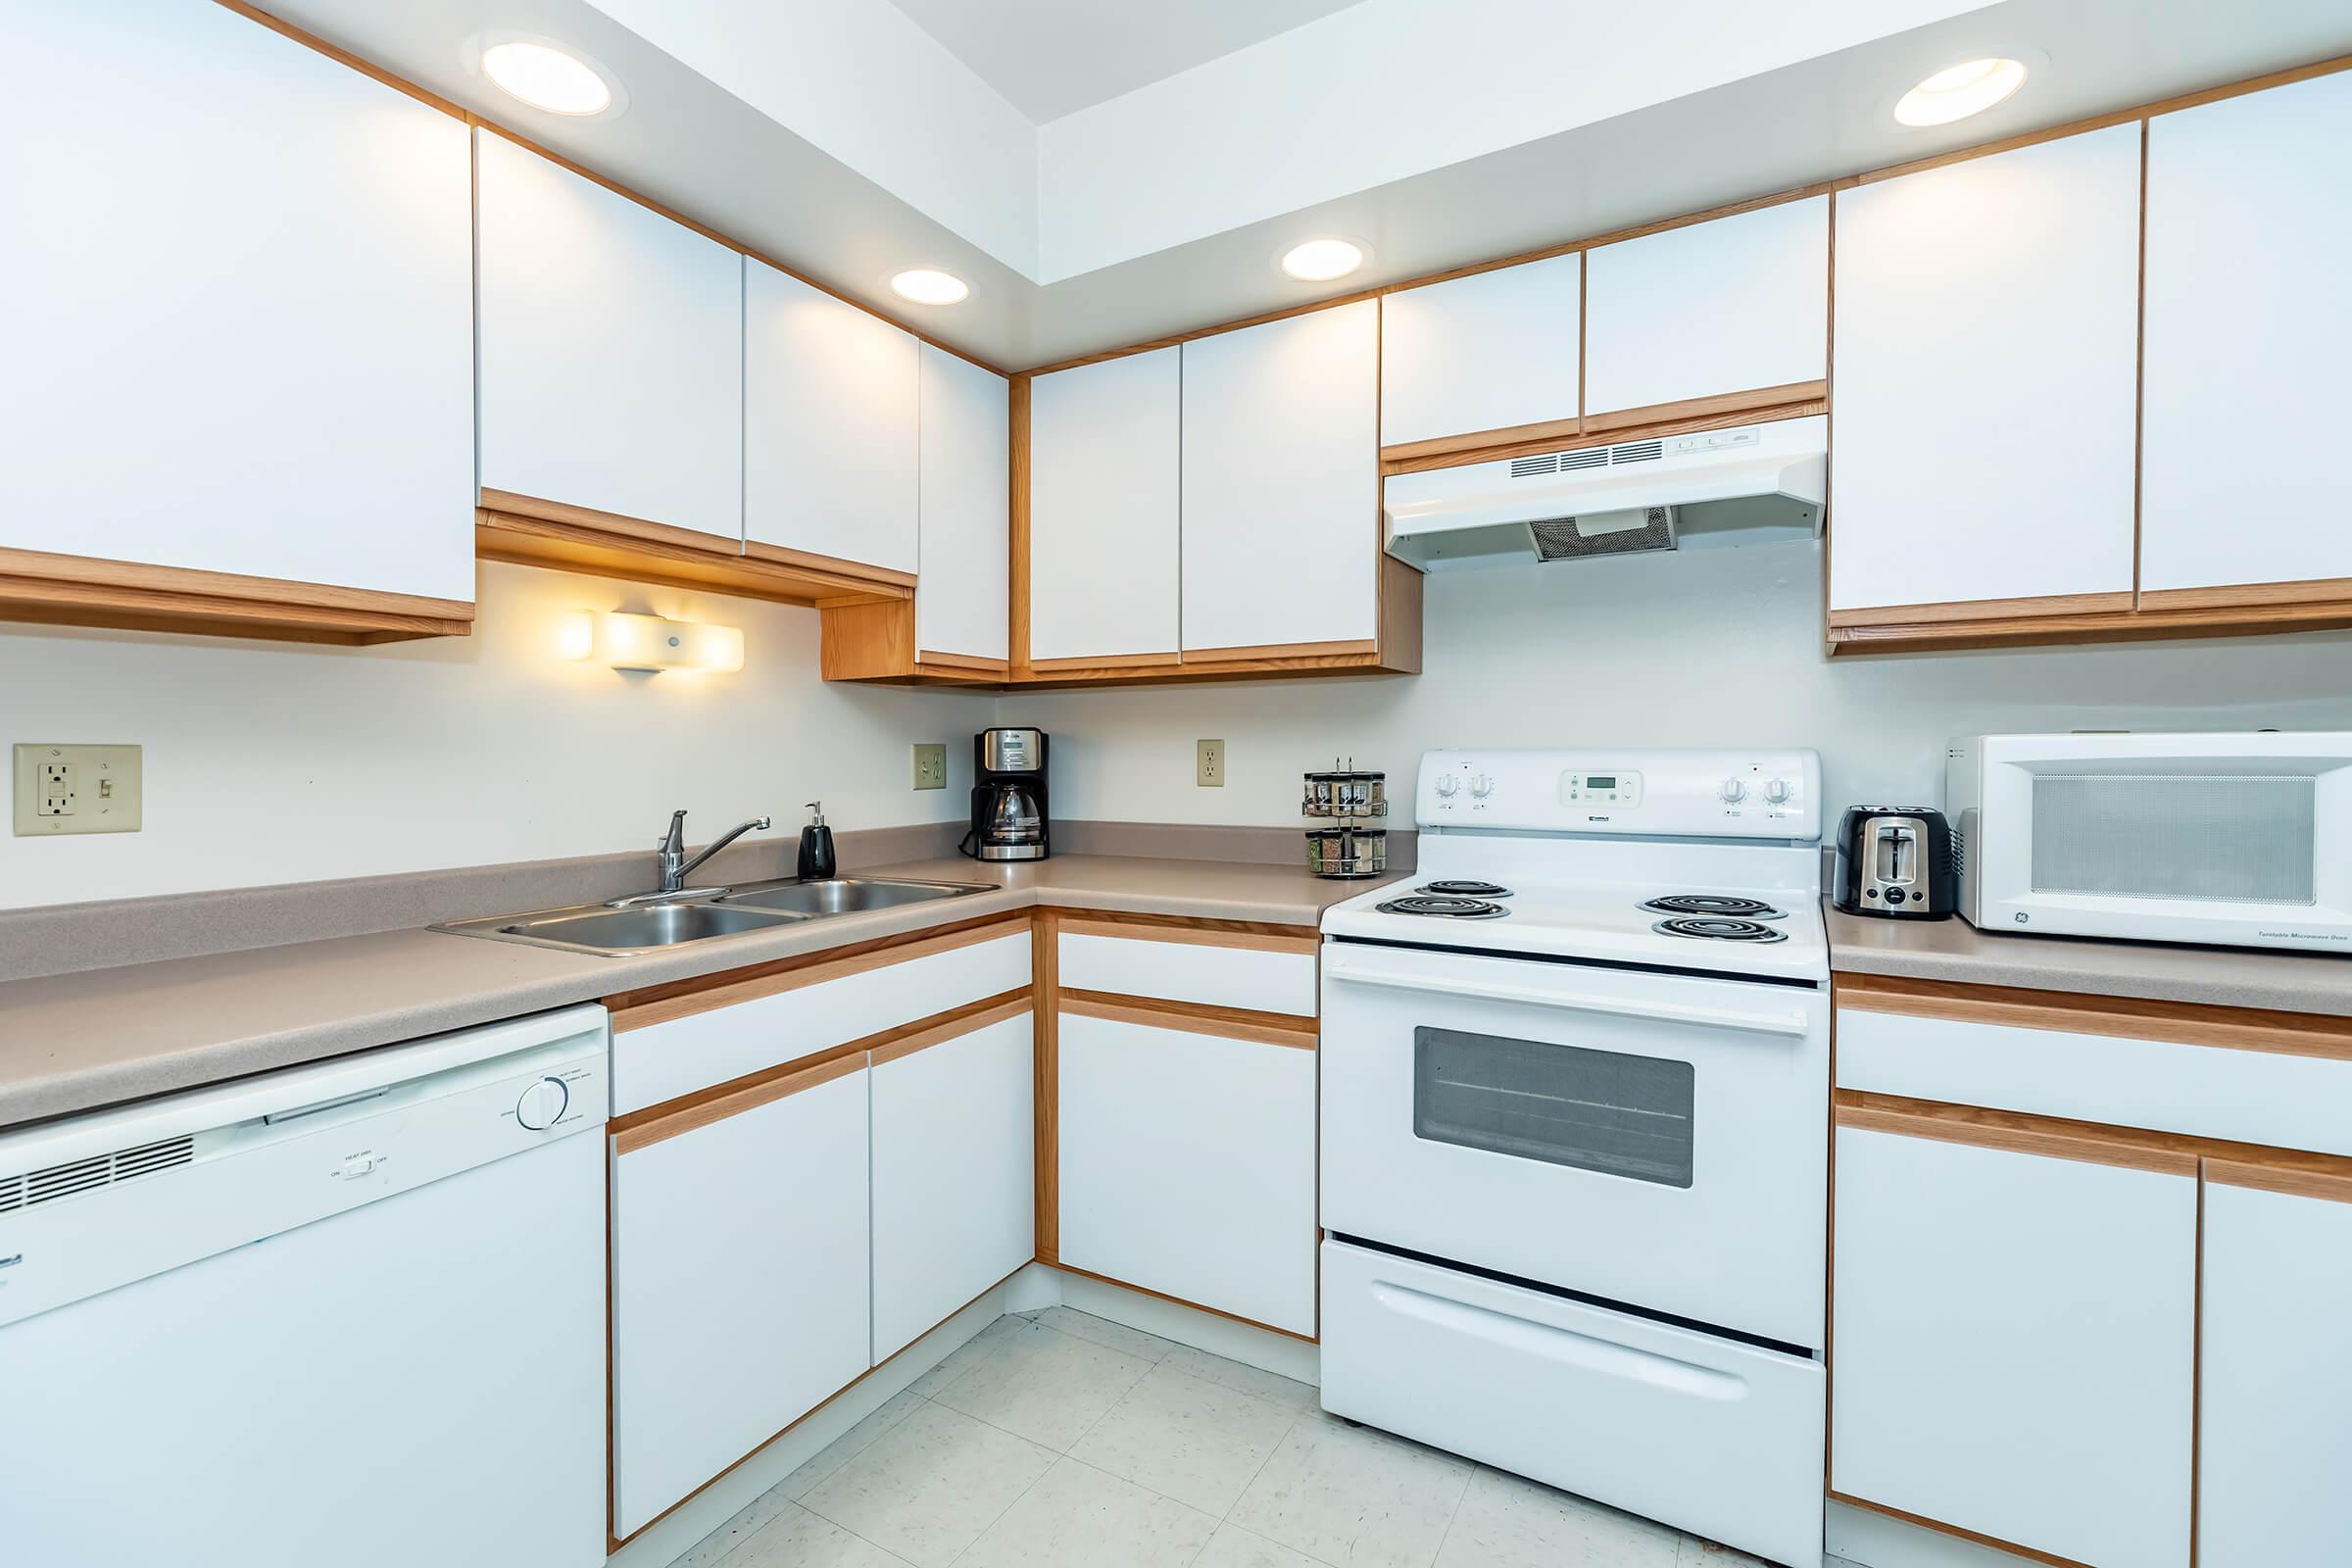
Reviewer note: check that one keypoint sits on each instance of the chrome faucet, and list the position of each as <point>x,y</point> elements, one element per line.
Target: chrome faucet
<point>674,863</point>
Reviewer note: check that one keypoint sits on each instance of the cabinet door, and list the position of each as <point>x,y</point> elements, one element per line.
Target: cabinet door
<point>1187,1166</point>
<point>2249,224</point>
<point>1986,347</point>
<point>954,1175</point>
<point>2274,1412</point>
<point>1732,305</point>
<point>2014,1341</point>
<point>611,349</point>
<point>830,405</point>
<point>739,1280</point>
<point>236,305</point>
<point>1282,484</point>
<point>1489,352</point>
<point>959,605</point>
<point>1104,441</point>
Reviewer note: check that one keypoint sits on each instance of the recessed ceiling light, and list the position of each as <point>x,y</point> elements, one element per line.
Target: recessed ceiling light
<point>929,285</point>
<point>546,78</point>
<point>1959,91</point>
<point>1319,260</point>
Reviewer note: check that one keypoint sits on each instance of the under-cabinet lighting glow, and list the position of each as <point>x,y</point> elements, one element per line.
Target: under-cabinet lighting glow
<point>650,643</point>
<point>1959,91</point>
<point>929,285</point>
<point>546,78</point>
<point>1319,260</point>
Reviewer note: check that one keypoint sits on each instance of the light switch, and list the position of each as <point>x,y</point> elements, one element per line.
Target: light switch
<point>77,789</point>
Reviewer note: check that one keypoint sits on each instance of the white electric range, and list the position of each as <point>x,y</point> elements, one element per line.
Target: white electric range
<point>1575,1133</point>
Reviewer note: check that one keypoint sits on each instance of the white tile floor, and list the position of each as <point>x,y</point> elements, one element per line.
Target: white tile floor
<point>1056,1439</point>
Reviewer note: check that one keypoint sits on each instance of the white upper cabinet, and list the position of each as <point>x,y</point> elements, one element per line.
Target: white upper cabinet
<point>1731,305</point>
<point>1985,357</point>
<point>611,349</point>
<point>830,410</point>
<point>1488,352</point>
<point>235,304</point>
<point>1281,483</point>
<point>1104,444</point>
<point>2248,336</point>
<point>959,605</point>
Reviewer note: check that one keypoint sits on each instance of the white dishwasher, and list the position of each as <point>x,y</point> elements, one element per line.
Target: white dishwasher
<point>347,1314</point>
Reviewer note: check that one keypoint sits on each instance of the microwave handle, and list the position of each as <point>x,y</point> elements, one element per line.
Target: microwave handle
<point>1791,1024</point>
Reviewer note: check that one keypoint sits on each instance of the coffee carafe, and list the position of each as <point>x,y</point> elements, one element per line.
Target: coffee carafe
<point>1009,820</point>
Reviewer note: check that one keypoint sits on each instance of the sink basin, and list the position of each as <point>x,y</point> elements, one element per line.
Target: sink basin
<point>656,925</point>
<point>846,895</point>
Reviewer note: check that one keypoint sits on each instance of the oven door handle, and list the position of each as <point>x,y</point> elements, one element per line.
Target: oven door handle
<point>1791,1024</point>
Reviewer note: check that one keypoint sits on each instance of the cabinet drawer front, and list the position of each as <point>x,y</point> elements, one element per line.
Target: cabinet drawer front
<point>2015,1342</point>
<point>668,1060</point>
<point>739,1288</point>
<point>1187,1166</point>
<point>2275,1098</point>
<point>1485,1369</point>
<point>1260,979</point>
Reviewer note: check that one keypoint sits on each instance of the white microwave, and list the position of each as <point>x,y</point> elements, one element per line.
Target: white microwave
<point>2238,839</point>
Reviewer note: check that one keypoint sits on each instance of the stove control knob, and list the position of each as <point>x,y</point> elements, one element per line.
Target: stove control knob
<point>1482,786</point>
<point>542,1103</point>
<point>1733,792</point>
<point>1448,784</point>
<point>1776,790</point>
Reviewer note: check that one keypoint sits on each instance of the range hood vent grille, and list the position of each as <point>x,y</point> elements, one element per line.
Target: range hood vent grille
<point>1586,458</point>
<point>1560,539</point>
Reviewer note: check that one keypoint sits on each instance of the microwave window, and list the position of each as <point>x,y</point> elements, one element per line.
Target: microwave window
<point>1596,1110</point>
<point>2249,840</point>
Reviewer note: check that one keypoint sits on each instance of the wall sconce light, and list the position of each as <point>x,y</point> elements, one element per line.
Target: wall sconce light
<point>649,641</point>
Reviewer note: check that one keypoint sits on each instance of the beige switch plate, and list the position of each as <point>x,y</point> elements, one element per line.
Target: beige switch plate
<point>77,789</point>
<point>1209,764</point>
<point>930,765</point>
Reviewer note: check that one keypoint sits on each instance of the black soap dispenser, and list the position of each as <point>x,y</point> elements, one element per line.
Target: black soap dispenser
<point>817,847</point>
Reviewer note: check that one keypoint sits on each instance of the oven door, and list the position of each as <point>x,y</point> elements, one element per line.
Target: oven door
<point>1659,1141</point>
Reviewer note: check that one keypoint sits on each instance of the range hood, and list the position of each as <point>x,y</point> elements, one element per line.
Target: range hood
<point>1751,484</point>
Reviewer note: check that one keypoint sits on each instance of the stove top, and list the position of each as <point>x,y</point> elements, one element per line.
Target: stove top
<point>1718,928</point>
<point>1730,905</point>
<point>1465,888</point>
<point>1443,907</point>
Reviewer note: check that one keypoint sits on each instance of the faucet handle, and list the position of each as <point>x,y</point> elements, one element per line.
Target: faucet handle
<point>673,842</point>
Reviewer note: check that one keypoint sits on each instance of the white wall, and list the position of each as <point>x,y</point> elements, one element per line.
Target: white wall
<point>1713,647</point>
<point>283,763</point>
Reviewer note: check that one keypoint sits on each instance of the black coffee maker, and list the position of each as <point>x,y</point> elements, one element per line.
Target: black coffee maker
<point>1008,797</point>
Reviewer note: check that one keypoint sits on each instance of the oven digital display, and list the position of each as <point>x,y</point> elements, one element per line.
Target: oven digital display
<point>1596,781</point>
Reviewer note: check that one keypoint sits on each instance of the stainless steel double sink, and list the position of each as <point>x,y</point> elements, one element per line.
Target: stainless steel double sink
<point>687,917</point>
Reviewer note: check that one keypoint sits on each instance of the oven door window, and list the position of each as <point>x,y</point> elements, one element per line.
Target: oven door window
<point>1596,1110</point>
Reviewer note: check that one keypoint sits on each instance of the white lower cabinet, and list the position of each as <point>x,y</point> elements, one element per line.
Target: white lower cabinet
<point>2275,1410</point>
<point>740,1281</point>
<point>954,1174</point>
<point>2014,1341</point>
<point>1187,1166</point>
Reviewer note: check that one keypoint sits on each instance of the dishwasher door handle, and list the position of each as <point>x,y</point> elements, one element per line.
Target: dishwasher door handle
<point>1793,1025</point>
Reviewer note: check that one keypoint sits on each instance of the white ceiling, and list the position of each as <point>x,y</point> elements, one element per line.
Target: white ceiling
<point>845,140</point>
<point>1048,58</point>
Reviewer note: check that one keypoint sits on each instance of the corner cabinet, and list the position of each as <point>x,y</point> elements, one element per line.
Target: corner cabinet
<point>237,381</point>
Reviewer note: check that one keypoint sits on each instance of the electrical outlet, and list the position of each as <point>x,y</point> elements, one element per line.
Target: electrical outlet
<point>77,789</point>
<point>1209,764</point>
<point>931,765</point>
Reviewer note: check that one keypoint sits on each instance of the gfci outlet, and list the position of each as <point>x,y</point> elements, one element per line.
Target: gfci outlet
<point>931,765</point>
<point>77,789</point>
<point>1209,764</point>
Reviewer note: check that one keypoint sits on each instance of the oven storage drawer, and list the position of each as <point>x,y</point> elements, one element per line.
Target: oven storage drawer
<point>1720,1438</point>
<point>1246,970</point>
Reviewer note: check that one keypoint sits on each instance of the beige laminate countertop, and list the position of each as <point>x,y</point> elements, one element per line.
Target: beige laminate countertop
<point>100,1037</point>
<point>2221,977</point>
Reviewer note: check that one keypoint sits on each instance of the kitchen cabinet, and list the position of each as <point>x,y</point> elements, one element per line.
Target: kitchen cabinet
<point>831,406</point>
<point>740,1277</point>
<point>1253,971</point>
<point>238,376</point>
<point>1734,306</point>
<point>1187,1161</point>
<point>612,362</point>
<point>953,1169</point>
<point>2243,491</point>
<point>1103,518</point>
<point>2274,1439</point>
<point>1984,360</point>
<point>2014,1343</point>
<point>960,608</point>
<point>1491,353</point>
<point>1281,487</point>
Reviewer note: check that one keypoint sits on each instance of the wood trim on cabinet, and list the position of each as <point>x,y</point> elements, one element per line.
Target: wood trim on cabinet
<point>2330,593</point>
<point>681,999</point>
<point>2053,605</point>
<point>2308,1178</point>
<point>830,566</point>
<point>1674,424</point>
<point>1551,434</point>
<point>1655,413</point>
<point>1193,1018</point>
<point>2015,1134</point>
<point>655,553</point>
<point>954,1025</point>
<point>1177,1300</point>
<point>40,586</point>
<point>1045,972</point>
<point>1265,651</point>
<point>2295,1034</point>
<point>1106,662</point>
<point>1251,935</point>
<point>874,640</point>
<point>1940,1527</point>
<point>630,1133</point>
<point>932,658</point>
<point>1017,525</point>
